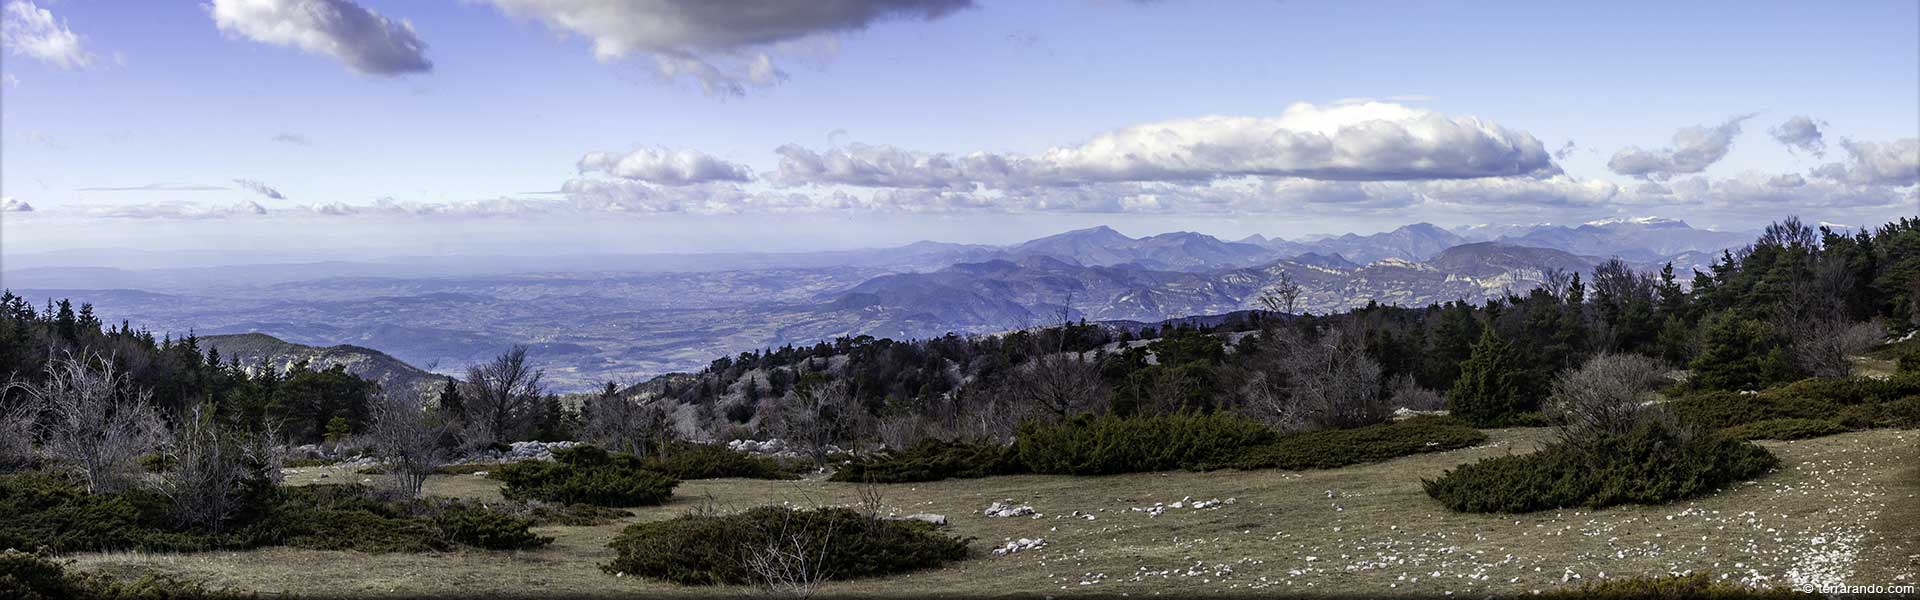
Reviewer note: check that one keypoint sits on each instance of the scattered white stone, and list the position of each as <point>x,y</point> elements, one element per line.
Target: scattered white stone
<point>1019,545</point>
<point>1008,509</point>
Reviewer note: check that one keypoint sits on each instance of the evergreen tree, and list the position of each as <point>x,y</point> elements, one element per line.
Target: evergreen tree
<point>451,404</point>
<point>1488,392</point>
<point>1737,353</point>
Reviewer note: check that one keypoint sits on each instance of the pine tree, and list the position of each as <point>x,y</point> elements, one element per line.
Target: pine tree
<point>450,403</point>
<point>1488,392</point>
<point>1740,354</point>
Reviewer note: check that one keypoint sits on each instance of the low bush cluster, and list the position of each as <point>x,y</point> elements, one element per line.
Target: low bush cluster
<point>836,543</point>
<point>1105,445</point>
<point>25,576</point>
<point>585,475</point>
<point>933,460</point>
<point>1699,586</point>
<point>1334,448</point>
<point>1653,464</point>
<point>1784,429</point>
<point>1852,402</point>
<point>46,510</point>
<point>1109,444</point>
<point>688,461</point>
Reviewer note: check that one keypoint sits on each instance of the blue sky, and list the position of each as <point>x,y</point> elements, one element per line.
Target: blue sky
<point>389,155</point>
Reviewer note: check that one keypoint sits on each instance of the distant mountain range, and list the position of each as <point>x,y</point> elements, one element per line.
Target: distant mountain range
<point>589,320</point>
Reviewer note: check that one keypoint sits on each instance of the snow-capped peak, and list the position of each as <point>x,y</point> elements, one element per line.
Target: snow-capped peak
<point>1633,221</point>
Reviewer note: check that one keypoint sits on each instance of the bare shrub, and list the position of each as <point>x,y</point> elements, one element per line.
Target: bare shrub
<point>405,437</point>
<point>16,434</point>
<point>1299,383</point>
<point>620,424</point>
<point>93,421</point>
<point>1604,397</point>
<point>792,563</point>
<point>1820,346</point>
<point>210,468</point>
<point>900,431</point>
<point>1409,395</point>
<point>502,399</point>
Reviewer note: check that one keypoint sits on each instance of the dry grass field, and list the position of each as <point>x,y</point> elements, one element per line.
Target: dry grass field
<point>1841,509</point>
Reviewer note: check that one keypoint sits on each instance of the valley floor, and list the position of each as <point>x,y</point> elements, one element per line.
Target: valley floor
<point>1841,509</point>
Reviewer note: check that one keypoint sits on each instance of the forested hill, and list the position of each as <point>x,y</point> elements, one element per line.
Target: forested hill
<point>255,350</point>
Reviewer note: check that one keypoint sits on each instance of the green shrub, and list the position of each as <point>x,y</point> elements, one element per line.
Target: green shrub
<point>26,576</point>
<point>691,461</point>
<point>1783,429</point>
<point>1853,402</point>
<point>49,511</point>
<point>483,528</point>
<point>585,475</point>
<point>1651,465</point>
<point>1105,445</point>
<point>1334,448</point>
<point>1673,587</point>
<point>706,550</point>
<point>933,460</point>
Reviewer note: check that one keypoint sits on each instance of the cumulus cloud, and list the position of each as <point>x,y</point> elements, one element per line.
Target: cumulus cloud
<point>12,204</point>
<point>1693,150</point>
<point>665,166</point>
<point>1801,133</point>
<point>1895,163</point>
<point>1761,194</point>
<point>155,187</point>
<point>33,32</point>
<point>1368,141</point>
<point>724,46</point>
<point>363,40</point>
<point>260,188</point>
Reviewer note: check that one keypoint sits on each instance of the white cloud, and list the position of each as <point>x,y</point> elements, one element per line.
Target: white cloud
<point>724,46</point>
<point>1694,149</point>
<point>289,137</point>
<point>30,31</point>
<point>12,204</point>
<point>363,40</point>
<point>1895,163</point>
<point>1801,133</point>
<point>665,166</point>
<point>1367,141</point>
<point>173,210</point>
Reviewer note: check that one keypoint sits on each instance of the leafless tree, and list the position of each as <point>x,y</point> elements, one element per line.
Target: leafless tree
<point>93,421</point>
<point>792,562</point>
<point>1284,296</point>
<point>1822,345</point>
<point>817,416</point>
<point>1299,383</point>
<point>1555,282</point>
<point>502,398</point>
<point>209,468</point>
<point>405,437</point>
<point>1059,384</point>
<point>620,424</point>
<point>1606,396</point>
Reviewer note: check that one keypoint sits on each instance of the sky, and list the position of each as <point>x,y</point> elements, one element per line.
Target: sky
<point>371,127</point>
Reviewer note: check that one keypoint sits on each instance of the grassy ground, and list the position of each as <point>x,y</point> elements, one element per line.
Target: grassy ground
<point>1841,509</point>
